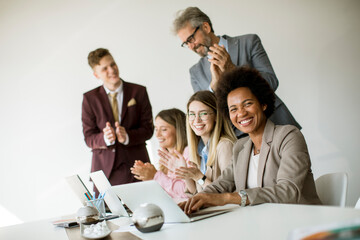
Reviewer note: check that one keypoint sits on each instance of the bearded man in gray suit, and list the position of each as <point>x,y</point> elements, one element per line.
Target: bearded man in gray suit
<point>222,53</point>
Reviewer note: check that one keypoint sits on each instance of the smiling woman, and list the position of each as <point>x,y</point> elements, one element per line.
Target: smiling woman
<point>272,165</point>
<point>210,139</point>
<point>246,113</point>
<point>170,131</point>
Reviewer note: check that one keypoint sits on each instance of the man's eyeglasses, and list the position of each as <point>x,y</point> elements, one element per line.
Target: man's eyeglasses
<point>204,116</point>
<point>190,39</point>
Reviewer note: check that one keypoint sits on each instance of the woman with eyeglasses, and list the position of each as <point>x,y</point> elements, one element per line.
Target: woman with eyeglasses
<point>210,142</point>
<point>170,130</point>
<point>272,164</point>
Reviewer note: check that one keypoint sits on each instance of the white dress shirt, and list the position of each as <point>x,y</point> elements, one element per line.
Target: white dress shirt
<point>253,170</point>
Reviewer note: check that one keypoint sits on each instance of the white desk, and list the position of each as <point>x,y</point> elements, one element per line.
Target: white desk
<point>33,230</point>
<point>266,221</point>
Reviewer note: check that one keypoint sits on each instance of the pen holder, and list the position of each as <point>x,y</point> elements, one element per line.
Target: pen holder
<point>99,205</point>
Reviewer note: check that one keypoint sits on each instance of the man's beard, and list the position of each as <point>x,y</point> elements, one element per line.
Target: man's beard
<point>206,47</point>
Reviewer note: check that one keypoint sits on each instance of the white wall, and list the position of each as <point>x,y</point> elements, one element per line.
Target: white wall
<point>313,46</point>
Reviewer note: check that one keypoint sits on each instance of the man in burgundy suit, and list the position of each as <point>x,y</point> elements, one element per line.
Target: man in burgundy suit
<point>117,120</point>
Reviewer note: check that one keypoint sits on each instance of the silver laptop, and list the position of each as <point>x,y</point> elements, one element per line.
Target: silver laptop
<point>112,201</point>
<point>134,194</point>
<point>79,188</point>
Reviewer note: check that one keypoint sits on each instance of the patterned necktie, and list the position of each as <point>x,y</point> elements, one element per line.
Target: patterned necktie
<point>114,106</point>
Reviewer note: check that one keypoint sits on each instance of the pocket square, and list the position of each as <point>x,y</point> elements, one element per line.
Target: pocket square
<point>131,102</point>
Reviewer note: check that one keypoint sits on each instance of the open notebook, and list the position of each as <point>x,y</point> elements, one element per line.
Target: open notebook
<point>134,194</point>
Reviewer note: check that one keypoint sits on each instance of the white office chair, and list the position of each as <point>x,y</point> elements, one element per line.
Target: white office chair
<point>332,188</point>
<point>357,205</point>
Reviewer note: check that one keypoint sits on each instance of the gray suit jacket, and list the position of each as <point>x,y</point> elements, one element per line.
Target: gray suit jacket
<point>245,50</point>
<point>284,170</point>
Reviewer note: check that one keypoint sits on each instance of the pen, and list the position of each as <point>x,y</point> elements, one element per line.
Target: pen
<point>100,197</point>
<point>87,196</point>
<point>103,195</point>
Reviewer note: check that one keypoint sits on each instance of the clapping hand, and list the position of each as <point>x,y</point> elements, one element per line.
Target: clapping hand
<point>120,132</point>
<point>220,61</point>
<point>143,171</point>
<point>190,172</point>
<point>170,161</point>
<point>109,132</point>
<point>221,58</point>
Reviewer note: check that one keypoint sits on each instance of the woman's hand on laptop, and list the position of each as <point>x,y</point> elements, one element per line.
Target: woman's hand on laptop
<point>200,200</point>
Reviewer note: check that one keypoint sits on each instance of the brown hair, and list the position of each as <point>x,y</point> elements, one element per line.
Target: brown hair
<point>176,118</point>
<point>95,56</point>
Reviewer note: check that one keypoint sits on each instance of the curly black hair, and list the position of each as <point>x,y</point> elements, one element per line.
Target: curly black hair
<point>245,77</point>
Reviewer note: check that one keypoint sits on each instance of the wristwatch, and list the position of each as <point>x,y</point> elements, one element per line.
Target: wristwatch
<point>244,197</point>
<point>201,181</point>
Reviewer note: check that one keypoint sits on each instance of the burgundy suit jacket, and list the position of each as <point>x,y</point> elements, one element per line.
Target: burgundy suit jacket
<point>136,118</point>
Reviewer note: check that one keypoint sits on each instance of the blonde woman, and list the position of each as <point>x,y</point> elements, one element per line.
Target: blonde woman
<point>210,140</point>
<point>170,130</point>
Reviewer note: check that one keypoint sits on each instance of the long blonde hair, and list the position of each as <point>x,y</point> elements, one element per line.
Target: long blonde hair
<point>222,128</point>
